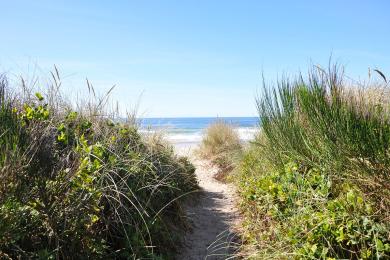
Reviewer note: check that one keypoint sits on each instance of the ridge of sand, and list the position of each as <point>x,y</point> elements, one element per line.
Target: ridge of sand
<point>213,217</point>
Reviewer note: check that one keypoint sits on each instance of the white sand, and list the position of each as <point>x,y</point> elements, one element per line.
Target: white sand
<point>213,216</point>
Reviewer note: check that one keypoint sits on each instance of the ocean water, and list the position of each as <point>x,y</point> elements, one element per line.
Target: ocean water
<point>191,129</point>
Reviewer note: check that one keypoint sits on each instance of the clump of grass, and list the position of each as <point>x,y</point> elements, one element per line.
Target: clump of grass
<point>76,184</point>
<point>221,145</point>
<point>315,183</point>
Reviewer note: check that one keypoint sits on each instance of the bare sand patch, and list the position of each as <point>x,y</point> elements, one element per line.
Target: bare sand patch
<point>213,215</point>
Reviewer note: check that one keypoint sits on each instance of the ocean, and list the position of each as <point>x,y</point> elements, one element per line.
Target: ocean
<point>189,130</point>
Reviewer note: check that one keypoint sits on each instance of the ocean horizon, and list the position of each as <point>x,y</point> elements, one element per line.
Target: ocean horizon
<point>180,130</point>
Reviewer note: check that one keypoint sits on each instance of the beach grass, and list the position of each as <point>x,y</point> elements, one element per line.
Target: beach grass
<point>75,183</point>
<point>221,145</point>
<point>315,183</point>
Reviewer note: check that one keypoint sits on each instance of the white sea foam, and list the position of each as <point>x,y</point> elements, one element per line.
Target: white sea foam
<point>185,137</point>
<point>245,133</point>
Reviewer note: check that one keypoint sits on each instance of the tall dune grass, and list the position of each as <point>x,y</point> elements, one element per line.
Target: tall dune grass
<point>76,184</point>
<point>221,145</point>
<point>322,123</point>
<point>316,183</point>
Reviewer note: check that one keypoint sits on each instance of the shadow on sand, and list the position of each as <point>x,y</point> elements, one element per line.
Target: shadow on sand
<point>212,236</point>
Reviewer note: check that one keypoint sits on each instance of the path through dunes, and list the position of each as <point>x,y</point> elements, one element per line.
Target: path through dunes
<point>212,216</point>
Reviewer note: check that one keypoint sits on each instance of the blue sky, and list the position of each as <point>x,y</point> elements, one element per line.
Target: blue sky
<point>190,58</point>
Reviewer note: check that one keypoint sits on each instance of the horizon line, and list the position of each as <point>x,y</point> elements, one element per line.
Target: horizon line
<point>173,117</point>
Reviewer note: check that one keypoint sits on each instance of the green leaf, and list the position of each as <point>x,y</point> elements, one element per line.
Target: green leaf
<point>39,96</point>
<point>94,218</point>
<point>313,248</point>
<point>379,245</point>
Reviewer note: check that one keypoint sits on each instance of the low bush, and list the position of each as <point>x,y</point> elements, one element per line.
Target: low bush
<point>314,185</point>
<point>300,212</point>
<point>78,185</point>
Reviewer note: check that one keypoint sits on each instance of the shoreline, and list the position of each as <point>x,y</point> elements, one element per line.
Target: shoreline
<point>190,137</point>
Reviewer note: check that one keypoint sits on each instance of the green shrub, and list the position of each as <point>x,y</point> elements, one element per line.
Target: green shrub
<point>299,212</point>
<point>322,123</point>
<point>78,186</point>
<point>314,185</point>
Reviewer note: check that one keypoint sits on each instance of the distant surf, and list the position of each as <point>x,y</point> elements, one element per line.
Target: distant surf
<point>190,130</point>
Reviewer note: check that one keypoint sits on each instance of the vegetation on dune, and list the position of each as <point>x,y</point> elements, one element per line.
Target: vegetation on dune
<point>315,183</point>
<point>78,185</point>
<point>222,146</point>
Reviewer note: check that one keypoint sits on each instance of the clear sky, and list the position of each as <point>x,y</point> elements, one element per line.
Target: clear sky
<point>191,58</point>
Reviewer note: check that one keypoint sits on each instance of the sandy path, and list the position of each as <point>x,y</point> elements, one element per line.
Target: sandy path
<point>213,217</point>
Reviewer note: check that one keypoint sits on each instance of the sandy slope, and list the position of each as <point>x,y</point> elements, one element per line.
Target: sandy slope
<point>213,217</point>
